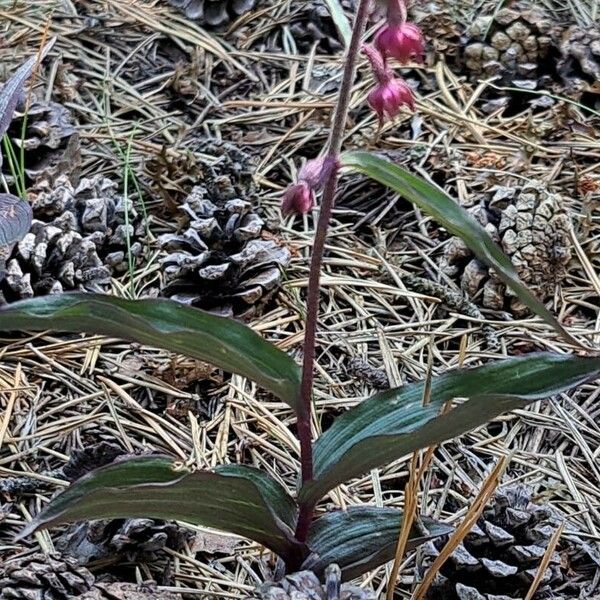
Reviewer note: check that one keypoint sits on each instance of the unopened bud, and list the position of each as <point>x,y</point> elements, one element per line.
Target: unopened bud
<point>298,198</point>
<point>391,93</point>
<point>316,171</point>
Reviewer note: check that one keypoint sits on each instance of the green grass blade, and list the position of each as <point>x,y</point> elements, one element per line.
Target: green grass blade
<point>394,423</point>
<point>163,324</point>
<point>456,220</point>
<point>340,20</point>
<point>13,166</point>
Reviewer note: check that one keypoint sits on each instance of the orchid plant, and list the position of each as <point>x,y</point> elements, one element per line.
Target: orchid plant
<point>247,501</point>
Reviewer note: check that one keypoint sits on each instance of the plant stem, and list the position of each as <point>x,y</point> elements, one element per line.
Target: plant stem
<point>336,139</point>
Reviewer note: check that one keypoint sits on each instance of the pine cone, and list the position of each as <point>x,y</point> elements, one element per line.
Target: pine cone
<point>305,585</point>
<point>43,577</point>
<point>514,43</point>
<point>128,591</point>
<point>312,25</point>
<point>500,557</point>
<point>579,63</point>
<point>109,542</point>
<point>361,369</point>
<point>216,13</point>
<point>78,240</point>
<point>533,230</point>
<point>441,28</point>
<point>84,460</point>
<point>51,142</point>
<point>218,261</point>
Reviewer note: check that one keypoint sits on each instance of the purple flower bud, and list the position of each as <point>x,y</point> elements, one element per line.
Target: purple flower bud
<point>316,171</point>
<point>298,198</point>
<point>388,98</point>
<point>391,93</point>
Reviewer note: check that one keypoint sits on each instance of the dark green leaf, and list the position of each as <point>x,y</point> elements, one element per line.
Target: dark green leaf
<point>362,538</point>
<point>163,324</point>
<point>456,220</point>
<point>15,221</point>
<point>394,423</point>
<point>236,499</point>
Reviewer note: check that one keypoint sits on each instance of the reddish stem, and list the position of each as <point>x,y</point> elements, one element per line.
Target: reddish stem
<point>336,139</point>
<point>396,12</point>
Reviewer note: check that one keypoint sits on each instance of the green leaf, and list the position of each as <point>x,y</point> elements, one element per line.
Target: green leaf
<point>15,220</point>
<point>236,499</point>
<point>163,324</point>
<point>394,423</point>
<point>340,20</point>
<point>456,220</point>
<point>362,538</point>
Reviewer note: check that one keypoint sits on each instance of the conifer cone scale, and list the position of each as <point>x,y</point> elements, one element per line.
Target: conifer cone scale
<point>500,557</point>
<point>305,585</point>
<point>78,240</point>
<point>531,226</point>
<point>579,62</point>
<point>50,141</point>
<point>43,577</point>
<point>222,258</point>
<point>214,13</point>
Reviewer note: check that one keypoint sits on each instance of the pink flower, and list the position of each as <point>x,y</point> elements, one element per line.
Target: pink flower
<point>391,93</point>
<point>388,98</point>
<point>298,198</point>
<point>402,41</point>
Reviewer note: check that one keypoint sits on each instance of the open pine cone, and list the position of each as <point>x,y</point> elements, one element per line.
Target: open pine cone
<point>514,43</point>
<point>222,259</point>
<point>51,142</point>
<point>441,28</point>
<point>579,62</point>
<point>43,577</point>
<point>216,13</point>
<point>532,228</point>
<point>103,542</point>
<point>78,240</point>
<point>499,558</point>
<point>109,542</point>
<point>54,577</point>
<point>305,585</point>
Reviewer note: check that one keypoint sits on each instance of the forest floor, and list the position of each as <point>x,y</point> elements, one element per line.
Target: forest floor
<point>156,99</point>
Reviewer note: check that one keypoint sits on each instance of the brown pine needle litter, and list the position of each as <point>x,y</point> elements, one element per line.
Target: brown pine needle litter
<point>137,72</point>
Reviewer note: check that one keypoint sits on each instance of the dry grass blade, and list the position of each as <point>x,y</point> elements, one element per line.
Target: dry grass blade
<point>545,562</point>
<point>487,491</point>
<point>411,491</point>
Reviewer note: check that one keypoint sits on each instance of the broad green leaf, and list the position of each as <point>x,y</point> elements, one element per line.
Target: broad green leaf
<point>362,538</point>
<point>163,324</point>
<point>394,423</point>
<point>456,220</point>
<point>236,499</point>
<point>15,220</point>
